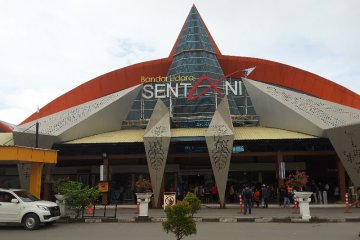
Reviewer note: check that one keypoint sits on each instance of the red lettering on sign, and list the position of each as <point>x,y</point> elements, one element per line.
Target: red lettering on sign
<point>212,85</point>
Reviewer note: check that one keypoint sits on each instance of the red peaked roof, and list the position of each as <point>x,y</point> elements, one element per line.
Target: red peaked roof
<point>6,127</point>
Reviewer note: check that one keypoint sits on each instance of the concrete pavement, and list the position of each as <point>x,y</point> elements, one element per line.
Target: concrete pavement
<point>212,213</point>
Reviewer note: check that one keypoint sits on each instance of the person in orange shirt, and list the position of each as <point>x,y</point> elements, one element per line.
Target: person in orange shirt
<point>214,193</point>
<point>257,197</point>
<point>287,197</point>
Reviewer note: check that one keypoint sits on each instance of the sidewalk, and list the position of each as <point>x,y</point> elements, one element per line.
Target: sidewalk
<point>212,213</point>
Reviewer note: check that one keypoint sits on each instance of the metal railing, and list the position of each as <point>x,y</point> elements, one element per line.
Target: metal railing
<point>103,211</point>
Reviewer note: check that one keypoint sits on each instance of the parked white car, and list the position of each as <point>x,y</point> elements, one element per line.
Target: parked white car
<point>19,206</point>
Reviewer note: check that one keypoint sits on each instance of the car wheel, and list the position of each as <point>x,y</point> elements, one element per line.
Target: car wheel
<point>31,221</point>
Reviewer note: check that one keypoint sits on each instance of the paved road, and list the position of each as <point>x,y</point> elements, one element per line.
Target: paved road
<point>206,231</point>
<point>325,212</point>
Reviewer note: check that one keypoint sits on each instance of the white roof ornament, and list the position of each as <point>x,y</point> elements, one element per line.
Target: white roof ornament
<point>248,71</point>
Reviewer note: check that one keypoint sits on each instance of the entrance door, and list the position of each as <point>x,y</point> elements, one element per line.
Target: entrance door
<point>190,182</point>
<point>170,182</point>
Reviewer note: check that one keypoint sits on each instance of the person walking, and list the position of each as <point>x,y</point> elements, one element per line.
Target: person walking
<point>320,193</point>
<point>256,197</point>
<point>180,193</point>
<point>214,193</point>
<point>202,193</point>
<point>325,193</point>
<point>282,193</point>
<point>232,194</point>
<point>283,197</point>
<point>287,197</point>
<point>315,190</point>
<point>266,193</point>
<point>336,193</point>
<point>263,194</point>
<point>247,196</point>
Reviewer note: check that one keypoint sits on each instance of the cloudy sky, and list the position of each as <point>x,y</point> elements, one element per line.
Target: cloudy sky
<point>49,47</point>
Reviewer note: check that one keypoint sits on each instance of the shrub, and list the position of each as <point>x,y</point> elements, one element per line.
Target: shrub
<point>78,196</point>
<point>179,220</point>
<point>194,202</point>
<point>59,185</point>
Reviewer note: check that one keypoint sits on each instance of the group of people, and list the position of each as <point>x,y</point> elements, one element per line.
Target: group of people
<point>206,193</point>
<point>322,192</point>
<point>261,196</point>
<point>251,195</point>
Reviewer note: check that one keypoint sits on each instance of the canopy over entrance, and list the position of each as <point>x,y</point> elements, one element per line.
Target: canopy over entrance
<point>34,156</point>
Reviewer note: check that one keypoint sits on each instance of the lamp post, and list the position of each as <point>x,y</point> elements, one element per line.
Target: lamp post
<point>37,128</point>
<point>106,178</point>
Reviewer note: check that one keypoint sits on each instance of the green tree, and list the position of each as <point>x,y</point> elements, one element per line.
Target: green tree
<point>78,196</point>
<point>194,202</point>
<point>59,185</point>
<point>179,220</point>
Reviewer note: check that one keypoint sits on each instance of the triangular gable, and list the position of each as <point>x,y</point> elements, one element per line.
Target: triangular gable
<point>194,18</point>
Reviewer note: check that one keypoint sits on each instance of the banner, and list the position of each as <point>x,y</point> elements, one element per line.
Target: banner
<point>103,187</point>
<point>169,199</point>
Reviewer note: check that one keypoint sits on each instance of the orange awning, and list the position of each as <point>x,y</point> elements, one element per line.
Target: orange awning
<point>17,154</point>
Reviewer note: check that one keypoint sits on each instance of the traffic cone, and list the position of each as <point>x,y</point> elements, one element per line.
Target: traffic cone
<point>241,204</point>
<point>90,209</point>
<point>296,207</point>
<point>347,205</point>
<point>137,208</point>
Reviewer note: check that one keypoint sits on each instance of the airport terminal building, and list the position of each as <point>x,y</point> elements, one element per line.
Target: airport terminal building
<point>198,117</point>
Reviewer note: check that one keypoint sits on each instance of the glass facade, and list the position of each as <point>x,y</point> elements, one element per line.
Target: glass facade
<point>195,56</point>
<point>194,35</point>
<point>194,85</point>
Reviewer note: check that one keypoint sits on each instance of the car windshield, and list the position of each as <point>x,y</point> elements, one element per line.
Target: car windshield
<point>26,197</point>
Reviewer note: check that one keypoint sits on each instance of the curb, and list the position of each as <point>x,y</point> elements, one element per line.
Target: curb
<point>211,219</point>
<point>263,220</point>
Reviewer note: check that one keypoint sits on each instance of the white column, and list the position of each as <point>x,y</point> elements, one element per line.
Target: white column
<point>143,199</point>
<point>304,199</point>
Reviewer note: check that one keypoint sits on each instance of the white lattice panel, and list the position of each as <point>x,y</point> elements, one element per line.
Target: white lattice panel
<point>59,122</point>
<point>296,111</point>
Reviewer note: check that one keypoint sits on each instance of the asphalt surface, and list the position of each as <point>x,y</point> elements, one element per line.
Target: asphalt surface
<point>212,213</point>
<point>328,222</point>
<point>205,231</point>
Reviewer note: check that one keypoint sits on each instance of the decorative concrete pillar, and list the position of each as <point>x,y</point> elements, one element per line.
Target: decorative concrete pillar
<point>346,142</point>
<point>304,199</point>
<point>48,169</point>
<point>143,199</point>
<point>219,140</point>
<point>157,141</point>
<point>24,170</point>
<point>341,179</point>
<point>35,179</point>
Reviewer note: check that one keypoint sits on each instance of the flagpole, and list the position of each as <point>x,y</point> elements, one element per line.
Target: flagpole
<point>37,129</point>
